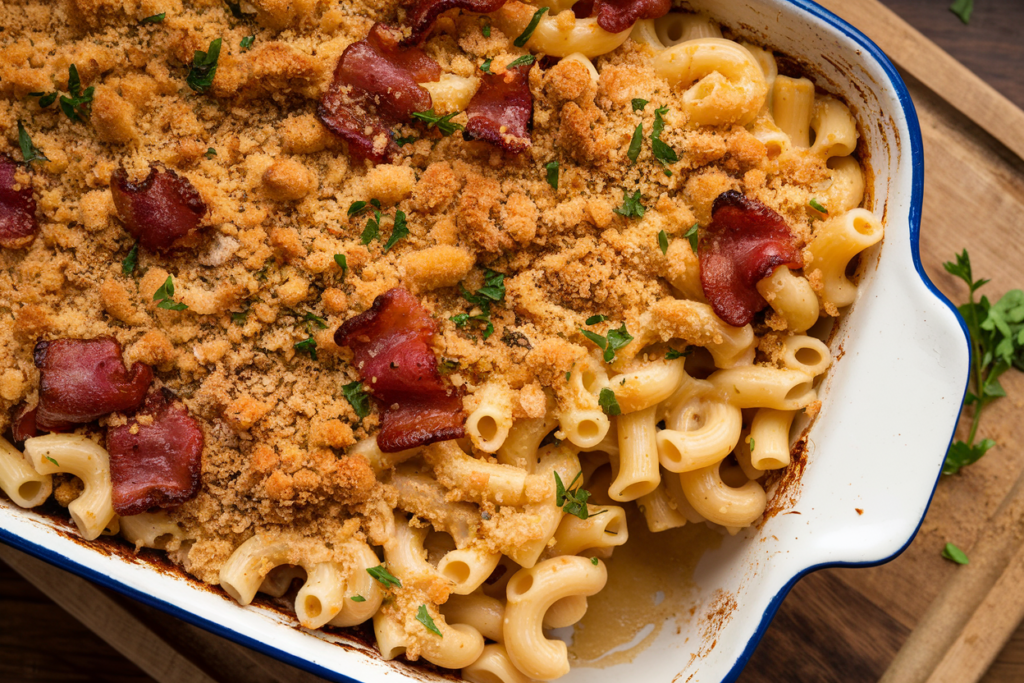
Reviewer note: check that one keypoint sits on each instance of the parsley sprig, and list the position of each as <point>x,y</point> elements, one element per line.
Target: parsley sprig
<point>573,501</point>
<point>204,67</point>
<point>442,123</point>
<point>632,205</point>
<point>75,106</point>
<point>165,296</point>
<point>997,344</point>
<point>492,292</point>
<point>612,342</point>
<point>399,231</point>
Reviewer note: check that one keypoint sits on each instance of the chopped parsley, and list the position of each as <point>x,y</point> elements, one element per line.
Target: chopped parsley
<point>131,260</point>
<point>423,616</point>
<point>552,169</point>
<point>752,443</point>
<point>631,207</point>
<point>402,142</point>
<point>165,296</point>
<point>52,460</point>
<point>399,231</point>
<point>357,598</point>
<point>204,67</point>
<point>520,61</point>
<point>954,554</point>
<point>997,344</point>
<point>240,317</point>
<point>76,106</point>
<point>443,123</point>
<point>962,9</point>
<point>663,242</point>
<point>816,205</point>
<point>29,152</point>
<point>639,104</point>
<point>692,235</point>
<point>356,207</point>
<point>663,152</point>
<point>247,42</point>
<point>530,28</point>
<point>342,262</point>
<point>672,354</point>
<point>636,144</point>
<point>210,152</point>
<point>595,319</point>
<point>383,576</point>
<point>45,100</point>
<point>573,501</point>
<point>493,291</point>
<point>486,29</point>
<point>357,398</point>
<point>307,346</point>
<point>609,404</point>
<point>486,66</point>
<point>593,561</point>
<point>313,321</point>
<point>611,343</point>
<point>155,19</point>
<point>372,229</point>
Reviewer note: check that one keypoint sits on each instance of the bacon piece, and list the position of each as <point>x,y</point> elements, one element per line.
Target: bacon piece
<point>744,243</point>
<point>18,225</point>
<point>155,461</point>
<point>24,424</point>
<point>390,343</point>
<point>160,210</point>
<point>425,12</point>
<point>376,86</point>
<point>502,109</point>
<point>81,380</point>
<point>616,16</point>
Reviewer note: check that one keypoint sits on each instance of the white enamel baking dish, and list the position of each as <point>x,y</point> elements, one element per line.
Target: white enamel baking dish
<point>889,409</point>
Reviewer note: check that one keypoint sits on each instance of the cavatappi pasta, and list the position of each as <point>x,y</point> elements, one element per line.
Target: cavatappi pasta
<point>465,553</point>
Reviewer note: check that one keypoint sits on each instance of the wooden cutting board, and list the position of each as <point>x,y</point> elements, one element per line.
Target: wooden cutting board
<point>847,625</point>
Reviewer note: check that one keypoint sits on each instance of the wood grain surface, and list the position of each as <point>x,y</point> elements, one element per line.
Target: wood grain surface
<point>837,625</point>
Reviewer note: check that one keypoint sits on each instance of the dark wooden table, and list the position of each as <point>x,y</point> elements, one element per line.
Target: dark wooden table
<point>41,642</point>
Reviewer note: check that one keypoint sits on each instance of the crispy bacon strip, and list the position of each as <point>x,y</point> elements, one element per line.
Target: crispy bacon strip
<point>155,461</point>
<point>160,210</point>
<point>745,242</point>
<point>390,343</point>
<point>24,424</point>
<point>425,12</point>
<point>376,86</point>
<point>615,16</point>
<point>18,225</point>
<point>502,109</point>
<point>81,380</point>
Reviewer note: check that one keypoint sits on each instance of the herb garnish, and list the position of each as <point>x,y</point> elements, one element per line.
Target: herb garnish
<point>816,205</point>
<point>595,319</point>
<point>663,242</point>
<point>751,440</point>
<point>342,262</point>
<point>165,296</point>
<point>486,30</point>
<point>520,61</point>
<point>639,104</point>
<point>357,398</point>
<point>611,343</point>
<point>307,346</point>
<point>247,42</point>
<point>383,576</point>
<point>29,152</point>
<point>573,501</point>
<point>636,144</point>
<point>663,152</point>
<point>493,291</point>
<point>210,152</point>
<point>356,207</point>
<point>402,142</point>
<point>530,28</point>
<point>443,123</point>
<point>76,106</point>
<point>963,9</point>
<point>486,66</point>
<point>399,231</point>
<point>552,169</point>
<point>45,100</point>
<point>313,322</point>
<point>52,460</point>
<point>423,616</point>
<point>155,19</point>
<point>631,205</point>
<point>692,235</point>
<point>593,561</point>
<point>954,554</point>
<point>131,260</point>
<point>997,344</point>
<point>372,229</point>
<point>672,354</point>
<point>609,404</point>
<point>240,317</point>
<point>204,67</point>
<point>357,598</point>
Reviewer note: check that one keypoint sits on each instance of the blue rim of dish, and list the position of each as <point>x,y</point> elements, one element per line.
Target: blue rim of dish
<point>916,201</point>
<point>917,195</point>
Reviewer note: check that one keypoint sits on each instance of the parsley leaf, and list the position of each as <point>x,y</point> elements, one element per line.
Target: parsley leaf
<point>155,19</point>
<point>372,229</point>
<point>356,207</point>
<point>611,343</point>
<point>443,123</point>
<point>357,598</point>
<point>639,104</point>
<point>520,61</point>
<point>210,152</point>
<point>816,205</point>
<point>423,616</point>
<point>552,169</point>
<point>52,460</point>
<point>663,152</point>
<point>954,554</point>
<point>165,296</point>
<point>45,100</point>
<point>204,68</point>
<point>486,30</point>
<point>595,319</point>
<point>573,501</point>
<point>486,66</point>
<point>961,455</point>
<point>357,398</point>
<point>672,354</point>
<point>593,561</point>
<point>530,28</point>
<point>399,231</point>
<point>963,9</point>
<point>692,235</point>
<point>29,152</point>
<point>402,142</point>
<point>383,576</point>
<point>240,317</point>
<point>493,291</point>
<point>631,205</point>
<point>247,42</point>
<point>636,144</point>
<point>131,260</point>
<point>313,321</point>
<point>75,107</point>
<point>342,262</point>
<point>609,404</point>
<point>752,443</point>
<point>307,346</point>
<point>663,242</point>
